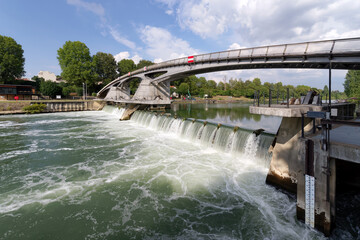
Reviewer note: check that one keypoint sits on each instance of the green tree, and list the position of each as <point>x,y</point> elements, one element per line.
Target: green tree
<point>352,83</point>
<point>144,63</point>
<point>11,59</point>
<point>125,66</point>
<point>183,88</point>
<point>49,88</point>
<point>105,67</point>
<point>76,64</point>
<point>38,81</point>
<point>325,90</point>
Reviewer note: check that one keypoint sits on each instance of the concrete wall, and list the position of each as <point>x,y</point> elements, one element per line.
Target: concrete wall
<point>73,106</point>
<point>325,189</point>
<point>285,166</point>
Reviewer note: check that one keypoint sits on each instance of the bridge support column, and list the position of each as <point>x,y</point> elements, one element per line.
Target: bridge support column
<point>119,93</point>
<point>150,91</point>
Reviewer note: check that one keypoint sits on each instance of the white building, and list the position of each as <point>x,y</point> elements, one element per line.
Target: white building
<point>47,76</point>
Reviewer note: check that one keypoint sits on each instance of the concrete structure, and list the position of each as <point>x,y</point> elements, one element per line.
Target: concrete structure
<point>68,106</point>
<point>154,89</point>
<point>294,156</point>
<point>48,76</point>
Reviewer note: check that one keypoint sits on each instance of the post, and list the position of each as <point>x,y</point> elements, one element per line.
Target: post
<point>264,98</point>
<point>314,126</point>
<point>287,100</point>
<point>83,91</point>
<point>254,97</point>
<point>258,98</point>
<point>270,97</point>
<point>302,125</point>
<point>277,97</point>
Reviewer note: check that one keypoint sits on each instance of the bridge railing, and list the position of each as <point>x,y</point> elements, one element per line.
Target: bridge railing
<point>285,50</point>
<point>328,47</point>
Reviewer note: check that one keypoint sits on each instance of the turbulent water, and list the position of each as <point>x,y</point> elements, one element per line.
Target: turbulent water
<point>86,175</point>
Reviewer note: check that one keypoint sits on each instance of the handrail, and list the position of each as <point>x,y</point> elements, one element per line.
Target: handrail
<point>305,49</point>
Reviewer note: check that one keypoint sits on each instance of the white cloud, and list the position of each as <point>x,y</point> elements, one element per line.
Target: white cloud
<point>99,10</point>
<point>121,55</point>
<point>126,55</point>
<point>95,8</point>
<point>234,46</point>
<point>255,22</point>
<point>136,58</point>
<point>162,45</point>
<point>120,39</point>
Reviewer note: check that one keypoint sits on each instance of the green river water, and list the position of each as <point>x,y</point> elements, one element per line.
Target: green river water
<point>86,175</point>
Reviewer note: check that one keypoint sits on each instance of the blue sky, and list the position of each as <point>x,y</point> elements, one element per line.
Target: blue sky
<point>160,30</point>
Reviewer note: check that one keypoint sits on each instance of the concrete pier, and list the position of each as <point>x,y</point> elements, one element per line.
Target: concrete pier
<point>295,156</point>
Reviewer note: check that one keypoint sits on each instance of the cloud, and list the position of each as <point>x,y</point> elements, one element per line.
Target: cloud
<point>95,8</point>
<point>126,55</point>
<point>254,22</point>
<point>120,39</point>
<point>234,46</point>
<point>162,45</point>
<point>121,55</point>
<point>99,11</point>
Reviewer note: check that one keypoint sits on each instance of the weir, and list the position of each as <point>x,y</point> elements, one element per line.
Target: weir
<point>225,138</point>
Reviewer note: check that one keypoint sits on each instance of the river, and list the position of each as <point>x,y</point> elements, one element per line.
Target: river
<point>87,175</point>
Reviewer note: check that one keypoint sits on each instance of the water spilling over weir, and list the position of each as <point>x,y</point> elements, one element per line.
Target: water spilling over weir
<point>225,138</point>
<point>87,175</point>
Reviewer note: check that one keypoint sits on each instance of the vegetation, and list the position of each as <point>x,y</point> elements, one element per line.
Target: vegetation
<point>105,67</point>
<point>35,108</point>
<point>50,88</point>
<point>76,64</point>
<point>11,60</point>
<point>352,84</point>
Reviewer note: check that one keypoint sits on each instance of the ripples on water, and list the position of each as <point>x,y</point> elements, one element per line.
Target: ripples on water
<point>86,175</point>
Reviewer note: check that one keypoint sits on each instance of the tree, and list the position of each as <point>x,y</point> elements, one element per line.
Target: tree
<point>125,66</point>
<point>38,81</point>
<point>326,90</point>
<point>144,63</point>
<point>76,64</point>
<point>49,88</point>
<point>105,67</point>
<point>183,88</point>
<point>11,59</point>
<point>352,83</point>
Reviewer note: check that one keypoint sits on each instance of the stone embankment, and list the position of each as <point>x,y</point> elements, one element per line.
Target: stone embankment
<point>12,107</point>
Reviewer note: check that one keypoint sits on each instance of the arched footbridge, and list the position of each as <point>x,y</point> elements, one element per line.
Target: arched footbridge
<point>154,87</point>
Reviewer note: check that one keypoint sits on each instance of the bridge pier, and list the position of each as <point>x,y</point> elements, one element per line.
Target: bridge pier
<point>151,91</point>
<point>119,93</point>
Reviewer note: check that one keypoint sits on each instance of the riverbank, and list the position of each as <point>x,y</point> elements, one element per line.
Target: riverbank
<point>215,99</point>
<point>16,107</point>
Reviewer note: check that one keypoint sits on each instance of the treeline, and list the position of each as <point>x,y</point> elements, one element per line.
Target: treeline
<point>237,88</point>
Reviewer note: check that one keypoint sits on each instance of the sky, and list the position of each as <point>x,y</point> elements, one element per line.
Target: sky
<point>160,30</point>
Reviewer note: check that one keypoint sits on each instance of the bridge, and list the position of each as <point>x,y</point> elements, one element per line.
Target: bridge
<point>154,87</point>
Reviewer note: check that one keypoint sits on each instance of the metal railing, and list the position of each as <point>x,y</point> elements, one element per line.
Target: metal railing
<point>317,48</point>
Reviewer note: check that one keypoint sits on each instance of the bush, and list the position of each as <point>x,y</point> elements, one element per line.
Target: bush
<point>35,108</point>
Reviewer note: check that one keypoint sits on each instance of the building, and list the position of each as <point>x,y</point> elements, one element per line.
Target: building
<point>47,76</point>
<point>18,92</point>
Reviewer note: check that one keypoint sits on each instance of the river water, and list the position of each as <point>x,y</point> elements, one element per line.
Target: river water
<point>86,175</point>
